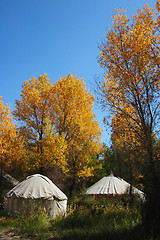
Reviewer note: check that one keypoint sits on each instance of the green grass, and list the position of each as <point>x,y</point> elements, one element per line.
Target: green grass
<point>93,220</point>
<point>86,219</point>
<point>36,225</point>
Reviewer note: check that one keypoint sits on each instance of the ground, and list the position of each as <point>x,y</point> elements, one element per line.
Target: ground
<point>10,236</point>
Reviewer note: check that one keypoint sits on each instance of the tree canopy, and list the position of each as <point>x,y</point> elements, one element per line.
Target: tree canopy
<point>57,122</point>
<point>74,118</point>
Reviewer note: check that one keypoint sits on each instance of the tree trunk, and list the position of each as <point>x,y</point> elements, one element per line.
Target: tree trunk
<point>41,152</point>
<point>152,186</point>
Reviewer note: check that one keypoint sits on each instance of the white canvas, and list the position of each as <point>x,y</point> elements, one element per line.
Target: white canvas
<point>112,185</point>
<point>36,190</point>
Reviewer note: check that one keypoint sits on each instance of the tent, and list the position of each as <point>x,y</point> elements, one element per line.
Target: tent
<point>112,186</point>
<point>36,191</point>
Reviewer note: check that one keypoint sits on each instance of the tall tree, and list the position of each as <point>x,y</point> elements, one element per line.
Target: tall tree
<point>73,116</point>
<point>58,125</point>
<point>42,148</point>
<point>131,87</point>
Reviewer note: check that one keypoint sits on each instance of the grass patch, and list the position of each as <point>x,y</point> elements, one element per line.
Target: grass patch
<point>97,220</point>
<point>86,219</point>
<point>35,226</point>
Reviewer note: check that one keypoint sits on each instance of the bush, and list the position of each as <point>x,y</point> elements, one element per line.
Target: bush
<point>86,218</point>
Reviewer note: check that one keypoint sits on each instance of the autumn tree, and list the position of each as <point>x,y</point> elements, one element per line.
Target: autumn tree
<point>58,125</point>
<point>129,149</point>
<point>131,87</point>
<point>73,116</point>
<point>42,147</point>
<point>10,142</point>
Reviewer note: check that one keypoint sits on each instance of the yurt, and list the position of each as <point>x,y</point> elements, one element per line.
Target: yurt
<point>112,186</point>
<point>36,191</point>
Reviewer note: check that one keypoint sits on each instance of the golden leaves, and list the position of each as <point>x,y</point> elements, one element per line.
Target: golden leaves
<point>58,124</point>
<point>10,143</point>
<point>130,56</point>
<point>73,105</point>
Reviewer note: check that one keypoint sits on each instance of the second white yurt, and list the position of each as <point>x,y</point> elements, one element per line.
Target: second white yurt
<point>112,186</point>
<point>36,191</point>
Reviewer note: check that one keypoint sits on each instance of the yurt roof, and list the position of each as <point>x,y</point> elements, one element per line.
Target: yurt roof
<point>37,187</point>
<point>111,185</point>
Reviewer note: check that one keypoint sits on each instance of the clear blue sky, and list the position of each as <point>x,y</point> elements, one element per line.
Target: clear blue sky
<point>56,37</point>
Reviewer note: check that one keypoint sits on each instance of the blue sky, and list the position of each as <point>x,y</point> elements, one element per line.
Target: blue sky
<point>56,37</point>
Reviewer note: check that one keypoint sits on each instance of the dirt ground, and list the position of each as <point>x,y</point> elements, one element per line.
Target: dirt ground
<point>10,236</point>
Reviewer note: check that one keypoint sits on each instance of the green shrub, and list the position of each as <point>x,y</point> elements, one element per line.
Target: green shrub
<point>86,218</point>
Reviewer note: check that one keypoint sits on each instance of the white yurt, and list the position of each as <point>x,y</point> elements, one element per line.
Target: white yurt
<point>112,186</point>
<point>36,191</point>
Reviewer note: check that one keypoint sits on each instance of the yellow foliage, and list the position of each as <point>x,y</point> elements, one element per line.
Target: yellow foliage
<point>44,149</point>
<point>55,149</point>
<point>73,116</point>
<point>131,86</point>
<point>58,124</point>
<point>10,143</point>
<point>130,52</point>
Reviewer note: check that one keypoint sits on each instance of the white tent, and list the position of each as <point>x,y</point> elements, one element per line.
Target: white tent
<point>36,191</point>
<point>112,186</point>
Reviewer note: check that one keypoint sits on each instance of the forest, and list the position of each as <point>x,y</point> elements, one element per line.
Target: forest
<point>53,131</point>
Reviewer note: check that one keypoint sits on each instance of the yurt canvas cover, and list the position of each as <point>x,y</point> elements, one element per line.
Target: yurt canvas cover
<point>112,186</point>
<point>36,191</point>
